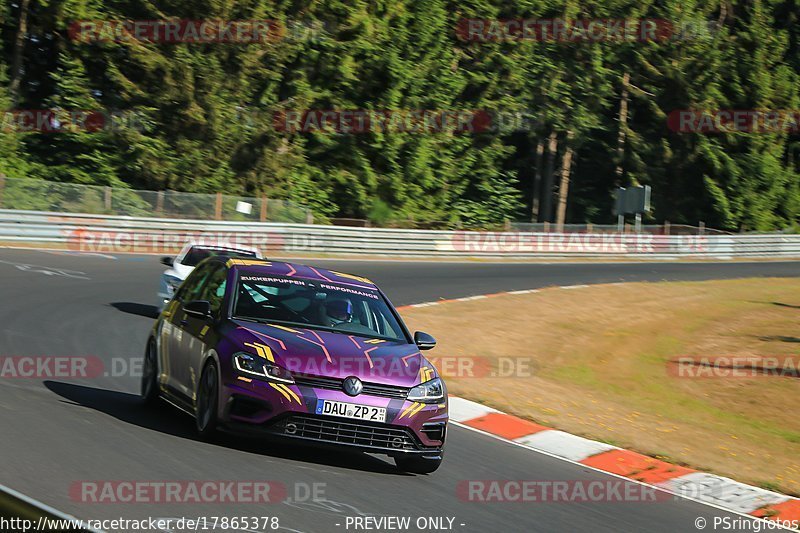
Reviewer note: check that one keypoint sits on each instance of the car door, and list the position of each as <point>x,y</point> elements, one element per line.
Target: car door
<point>199,333</point>
<point>174,331</point>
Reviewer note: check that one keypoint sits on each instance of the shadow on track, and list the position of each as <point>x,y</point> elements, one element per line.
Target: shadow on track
<point>167,419</point>
<point>790,306</point>
<point>777,338</point>
<point>147,311</point>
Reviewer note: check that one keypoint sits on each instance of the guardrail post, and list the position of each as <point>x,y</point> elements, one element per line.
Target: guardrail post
<point>263,216</point>
<point>666,227</point>
<point>2,187</point>
<point>218,209</point>
<point>160,202</point>
<point>107,198</point>
<point>309,217</point>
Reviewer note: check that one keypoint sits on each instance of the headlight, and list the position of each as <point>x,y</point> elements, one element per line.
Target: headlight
<point>429,392</point>
<point>256,366</point>
<point>172,284</point>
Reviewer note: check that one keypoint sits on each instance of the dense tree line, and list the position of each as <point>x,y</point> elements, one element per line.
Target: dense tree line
<point>595,113</point>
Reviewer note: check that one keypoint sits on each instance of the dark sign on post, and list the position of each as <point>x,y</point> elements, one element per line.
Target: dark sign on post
<point>632,201</point>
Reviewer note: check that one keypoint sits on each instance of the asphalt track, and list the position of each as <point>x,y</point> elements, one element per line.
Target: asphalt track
<point>55,433</point>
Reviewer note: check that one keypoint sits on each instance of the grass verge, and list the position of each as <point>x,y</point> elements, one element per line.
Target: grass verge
<point>601,361</point>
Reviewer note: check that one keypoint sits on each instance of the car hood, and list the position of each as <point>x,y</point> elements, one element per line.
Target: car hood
<point>323,353</point>
<point>179,271</point>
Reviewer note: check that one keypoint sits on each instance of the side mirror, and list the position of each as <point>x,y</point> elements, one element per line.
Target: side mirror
<point>198,309</point>
<point>424,341</point>
<point>167,261</point>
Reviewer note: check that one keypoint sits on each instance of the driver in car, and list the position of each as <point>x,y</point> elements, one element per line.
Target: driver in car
<point>338,314</point>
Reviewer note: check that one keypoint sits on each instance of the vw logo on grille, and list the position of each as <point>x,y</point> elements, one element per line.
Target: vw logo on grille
<point>353,386</point>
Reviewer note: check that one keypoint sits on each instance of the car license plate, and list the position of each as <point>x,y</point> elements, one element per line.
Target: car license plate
<point>351,410</point>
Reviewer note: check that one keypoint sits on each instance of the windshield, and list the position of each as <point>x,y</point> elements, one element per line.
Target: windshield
<point>317,305</point>
<point>198,253</point>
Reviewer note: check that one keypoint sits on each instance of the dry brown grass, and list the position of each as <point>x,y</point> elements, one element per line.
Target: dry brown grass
<point>601,368</point>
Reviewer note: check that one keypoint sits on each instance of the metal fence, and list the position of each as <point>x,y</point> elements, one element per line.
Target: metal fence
<point>111,234</point>
<point>42,195</point>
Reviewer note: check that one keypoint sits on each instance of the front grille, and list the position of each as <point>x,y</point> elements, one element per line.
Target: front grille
<point>373,389</point>
<point>390,391</point>
<point>318,382</point>
<point>349,432</point>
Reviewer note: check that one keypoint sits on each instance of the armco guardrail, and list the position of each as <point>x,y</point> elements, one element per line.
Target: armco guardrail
<point>113,234</point>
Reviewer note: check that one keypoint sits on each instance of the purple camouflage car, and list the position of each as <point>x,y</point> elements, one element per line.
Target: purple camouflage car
<point>297,352</point>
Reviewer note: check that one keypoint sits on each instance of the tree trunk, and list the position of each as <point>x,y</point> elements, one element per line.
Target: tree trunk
<point>623,123</point>
<point>549,175</point>
<point>537,182</point>
<point>563,188</point>
<point>16,53</point>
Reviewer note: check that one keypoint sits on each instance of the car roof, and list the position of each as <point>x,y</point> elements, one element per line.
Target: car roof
<point>280,268</point>
<point>221,246</point>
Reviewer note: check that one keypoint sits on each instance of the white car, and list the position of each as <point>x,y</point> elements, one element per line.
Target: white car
<point>183,264</point>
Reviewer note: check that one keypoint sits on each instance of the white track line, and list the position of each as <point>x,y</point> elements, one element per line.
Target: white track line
<point>46,508</point>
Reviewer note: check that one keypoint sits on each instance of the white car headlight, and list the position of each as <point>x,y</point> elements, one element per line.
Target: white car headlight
<point>172,284</point>
<point>429,392</point>
<point>255,366</point>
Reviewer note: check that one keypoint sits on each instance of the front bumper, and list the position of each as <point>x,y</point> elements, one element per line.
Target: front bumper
<point>356,435</point>
<point>288,412</point>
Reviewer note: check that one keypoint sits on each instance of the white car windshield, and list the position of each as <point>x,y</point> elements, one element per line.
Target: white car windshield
<point>198,253</point>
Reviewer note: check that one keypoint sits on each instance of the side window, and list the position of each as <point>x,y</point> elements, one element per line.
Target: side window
<point>191,287</point>
<point>214,290</point>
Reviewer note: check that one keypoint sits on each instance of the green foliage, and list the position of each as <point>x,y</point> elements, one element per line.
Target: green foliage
<point>208,109</point>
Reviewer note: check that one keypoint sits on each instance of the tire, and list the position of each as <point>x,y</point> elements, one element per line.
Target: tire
<point>207,400</point>
<point>418,465</point>
<point>149,389</point>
